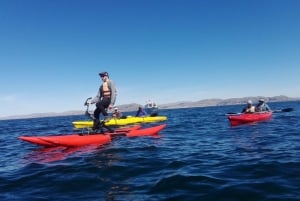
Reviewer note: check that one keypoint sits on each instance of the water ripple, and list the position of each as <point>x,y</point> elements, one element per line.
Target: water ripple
<point>199,156</point>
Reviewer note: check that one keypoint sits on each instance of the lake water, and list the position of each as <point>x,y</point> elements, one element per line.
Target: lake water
<point>198,156</point>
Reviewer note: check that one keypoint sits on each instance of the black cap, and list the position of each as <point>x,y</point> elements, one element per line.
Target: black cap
<point>102,74</point>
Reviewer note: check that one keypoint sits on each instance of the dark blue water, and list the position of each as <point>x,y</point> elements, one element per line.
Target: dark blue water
<point>199,156</point>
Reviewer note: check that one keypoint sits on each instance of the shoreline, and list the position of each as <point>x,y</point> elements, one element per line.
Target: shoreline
<point>177,105</point>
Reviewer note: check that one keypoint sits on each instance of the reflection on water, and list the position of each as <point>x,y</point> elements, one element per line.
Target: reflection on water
<point>52,154</point>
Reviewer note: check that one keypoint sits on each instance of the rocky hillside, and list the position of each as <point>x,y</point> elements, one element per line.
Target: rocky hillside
<point>230,101</point>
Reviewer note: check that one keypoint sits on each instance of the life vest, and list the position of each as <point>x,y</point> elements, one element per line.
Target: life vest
<point>106,89</point>
<point>251,109</point>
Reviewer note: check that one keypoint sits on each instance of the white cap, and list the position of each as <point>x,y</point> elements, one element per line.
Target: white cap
<point>249,102</point>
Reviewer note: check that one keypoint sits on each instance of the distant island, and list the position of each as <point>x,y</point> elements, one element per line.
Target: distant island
<point>182,104</point>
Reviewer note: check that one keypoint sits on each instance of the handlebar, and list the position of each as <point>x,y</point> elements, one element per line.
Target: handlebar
<point>86,103</point>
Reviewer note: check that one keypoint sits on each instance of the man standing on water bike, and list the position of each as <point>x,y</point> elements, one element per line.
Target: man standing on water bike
<point>105,99</point>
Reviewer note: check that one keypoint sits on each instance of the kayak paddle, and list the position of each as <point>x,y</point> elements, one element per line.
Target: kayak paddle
<point>284,110</point>
<point>233,113</point>
<point>274,111</point>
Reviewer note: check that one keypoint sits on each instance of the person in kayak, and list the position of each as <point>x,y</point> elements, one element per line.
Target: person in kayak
<point>105,99</point>
<point>117,113</point>
<point>250,108</point>
<point>141,112</point>
<point>262,106</point>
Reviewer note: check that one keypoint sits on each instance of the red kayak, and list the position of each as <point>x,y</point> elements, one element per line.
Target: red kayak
<point>73,140</point>
<point>242,118</point>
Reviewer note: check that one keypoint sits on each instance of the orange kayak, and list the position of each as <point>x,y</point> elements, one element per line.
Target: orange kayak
<point>72,140</point>
<point>242,118</point>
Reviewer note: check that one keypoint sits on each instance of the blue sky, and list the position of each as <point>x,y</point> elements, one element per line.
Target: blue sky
<point>165,50</point>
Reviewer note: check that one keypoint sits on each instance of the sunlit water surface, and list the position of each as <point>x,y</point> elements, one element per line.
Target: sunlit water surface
<point>199,156</point>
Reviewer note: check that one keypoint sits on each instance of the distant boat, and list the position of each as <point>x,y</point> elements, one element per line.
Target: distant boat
<point>151,108</point>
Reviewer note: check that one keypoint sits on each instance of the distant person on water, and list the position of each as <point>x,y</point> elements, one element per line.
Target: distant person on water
<point>117,113</point>
<point>250,108</point>
<point>105,99</point>
<point>262,106</point>
<point>141,112</point>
